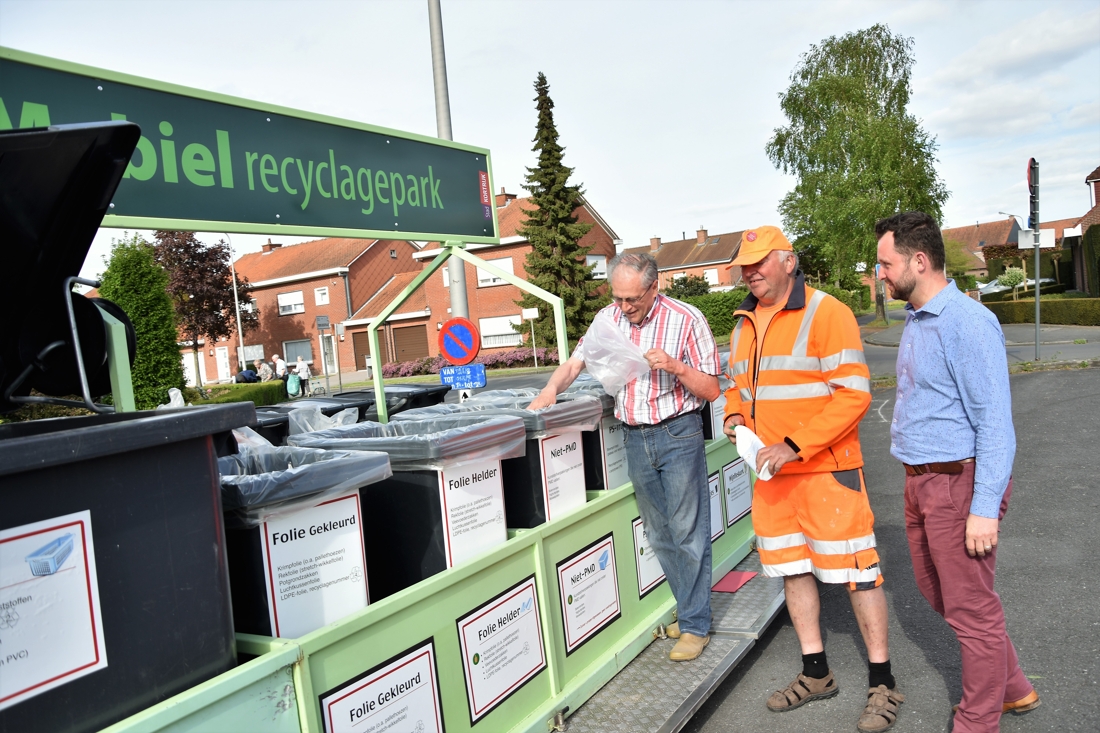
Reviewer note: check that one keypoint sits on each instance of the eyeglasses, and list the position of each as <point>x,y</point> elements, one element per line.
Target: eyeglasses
<point>633,302</point>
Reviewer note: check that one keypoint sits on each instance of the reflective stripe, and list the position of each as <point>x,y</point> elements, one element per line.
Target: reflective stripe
<point>792,391</point>
<point>846,356</point>
<point>736,336</point>
<point>863,384</point>
<point>798,567</point>
<point>740,367</point>
<point>782,542</point>
<point>746,394</point>
<point>802,341</point>
<point>793,363</point>
<point>841,547</point>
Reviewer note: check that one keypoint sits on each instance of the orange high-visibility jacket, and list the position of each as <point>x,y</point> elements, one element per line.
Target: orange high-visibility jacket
<point>805,381</point>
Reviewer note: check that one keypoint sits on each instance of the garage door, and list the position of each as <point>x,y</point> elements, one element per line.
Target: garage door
<point>361,345</point>
<point>410,342</point>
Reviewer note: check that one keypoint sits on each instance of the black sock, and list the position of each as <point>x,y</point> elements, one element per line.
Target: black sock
<point>814,665</point>
<point>878,673</point>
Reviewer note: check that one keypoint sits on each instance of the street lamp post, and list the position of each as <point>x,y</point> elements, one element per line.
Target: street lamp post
<point>236,304</point>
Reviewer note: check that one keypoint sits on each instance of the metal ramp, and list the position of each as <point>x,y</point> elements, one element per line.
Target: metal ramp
<point>653,693</point>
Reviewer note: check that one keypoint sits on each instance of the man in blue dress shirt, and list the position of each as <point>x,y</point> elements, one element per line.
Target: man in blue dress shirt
<point>952,429</point>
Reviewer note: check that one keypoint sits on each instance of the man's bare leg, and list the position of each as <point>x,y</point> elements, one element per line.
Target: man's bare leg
<point>871,613</point>
<point>804,606</point>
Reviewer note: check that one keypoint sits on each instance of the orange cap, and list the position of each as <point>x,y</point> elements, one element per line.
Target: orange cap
<point>756,243</point>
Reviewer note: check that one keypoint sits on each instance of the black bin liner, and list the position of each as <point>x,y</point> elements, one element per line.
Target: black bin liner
<point>149,482</point>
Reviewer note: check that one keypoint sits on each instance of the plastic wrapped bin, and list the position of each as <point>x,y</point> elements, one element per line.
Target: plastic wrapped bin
<point>415,395</point>
<point>113,577</point>
<point>294,533</point>
<point>548,480</point>
<point>272,420</point>
<point>445,501</point>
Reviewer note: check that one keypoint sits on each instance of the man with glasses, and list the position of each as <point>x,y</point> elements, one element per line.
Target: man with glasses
<point>664,434</point>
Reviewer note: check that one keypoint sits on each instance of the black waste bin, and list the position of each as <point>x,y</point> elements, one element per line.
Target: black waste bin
<point>548,480</point>
<point>714,413</point>
<point>294,531</point>
<point>112,564</point>
<point>445,501</point>
<point>272,420</point>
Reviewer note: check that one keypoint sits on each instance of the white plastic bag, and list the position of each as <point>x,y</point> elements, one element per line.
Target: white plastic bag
<point>311,419</point>
<point>610,356</point>
<point>748,445</point>
<point>175,399</point>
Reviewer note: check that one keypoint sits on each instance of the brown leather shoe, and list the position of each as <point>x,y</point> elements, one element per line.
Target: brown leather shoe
<point>672,631</point>
<point>688,647</point>
<point>1024,705</point>
<point>881,711</point>
<point>801,691</point>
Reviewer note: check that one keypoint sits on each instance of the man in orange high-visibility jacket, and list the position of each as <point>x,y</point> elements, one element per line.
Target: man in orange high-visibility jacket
<point>801,383</point>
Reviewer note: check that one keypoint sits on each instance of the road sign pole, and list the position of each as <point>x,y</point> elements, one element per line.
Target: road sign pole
<point>534,347</point>
<point>1033,186</point>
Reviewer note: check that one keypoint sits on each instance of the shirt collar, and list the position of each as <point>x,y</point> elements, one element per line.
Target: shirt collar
<point>938,303</point>
<point>659,300</point>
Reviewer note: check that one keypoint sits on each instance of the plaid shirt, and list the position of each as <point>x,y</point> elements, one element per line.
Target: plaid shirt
<point>682,332</point>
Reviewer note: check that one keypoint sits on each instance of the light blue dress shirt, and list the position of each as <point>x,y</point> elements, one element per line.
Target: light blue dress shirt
<point>953,399</point>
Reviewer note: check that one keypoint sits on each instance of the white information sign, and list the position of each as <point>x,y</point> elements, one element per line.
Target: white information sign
<point>589,588</point>
<point>717,526</point>
<point>612,436</point>
<point>51,627</point>
<point>471,497</point>
<point>1026,239</point>
<point>562,473</point>
<point>315,566</point>
<point>650,573</point>
<point>396,696</point>
<point>718,416</point>
<point>501,647</point>
<point>738,490</point>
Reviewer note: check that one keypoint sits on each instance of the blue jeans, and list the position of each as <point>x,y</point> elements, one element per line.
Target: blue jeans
<point>668,467</point>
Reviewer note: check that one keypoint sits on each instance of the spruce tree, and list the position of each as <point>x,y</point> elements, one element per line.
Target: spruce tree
<point>138,285</point>
<point>556,262</point>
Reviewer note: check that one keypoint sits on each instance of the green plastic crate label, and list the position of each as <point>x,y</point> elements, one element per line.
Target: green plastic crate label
<point>314,566</point>
<point>401,694</point>
<point>738,490</point>
<point>562,473</point>
<point>589,588</point>
<point>717,526</point>
<point>650,573</point>
<point>51,626</point>
<point>471,498</point>
<point>502,647</point>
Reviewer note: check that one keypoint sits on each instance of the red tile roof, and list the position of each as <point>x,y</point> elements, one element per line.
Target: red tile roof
<point>513,216</point>
<point>418,301</point>
<point>682,253</point>
<point>295,259</point>
<point>1094,176</point>
<point>1060,225</point>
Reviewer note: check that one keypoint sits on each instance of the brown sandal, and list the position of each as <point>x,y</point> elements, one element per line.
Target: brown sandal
<point>882,710</point>
<point>801,691</point>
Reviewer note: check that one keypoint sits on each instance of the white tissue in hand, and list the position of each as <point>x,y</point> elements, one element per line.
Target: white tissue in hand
<point>748,445</point>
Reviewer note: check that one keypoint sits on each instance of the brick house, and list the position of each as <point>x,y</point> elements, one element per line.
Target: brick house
<point>292,285</point>
<point>491,301</point>
<point>974,238</point>
<point>706,256</point>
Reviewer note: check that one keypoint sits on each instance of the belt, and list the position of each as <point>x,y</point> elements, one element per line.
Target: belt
<point>950,467</point>
<point>666,421</point>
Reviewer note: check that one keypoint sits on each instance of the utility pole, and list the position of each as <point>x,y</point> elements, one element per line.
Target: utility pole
<point>1033,224</point>
<point>237,307</point>
<point>456,268</point>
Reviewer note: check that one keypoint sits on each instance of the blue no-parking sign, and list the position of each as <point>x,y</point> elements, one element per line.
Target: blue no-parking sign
<point>459,341</point>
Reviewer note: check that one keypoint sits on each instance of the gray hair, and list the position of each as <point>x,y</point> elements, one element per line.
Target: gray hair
<point>643,263</point>
<point>785,254</point>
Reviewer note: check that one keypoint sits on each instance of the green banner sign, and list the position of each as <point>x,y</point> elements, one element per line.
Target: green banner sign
<point>211,162</point>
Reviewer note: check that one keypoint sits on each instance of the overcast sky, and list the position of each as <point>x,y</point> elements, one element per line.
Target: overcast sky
<point>664,108</point>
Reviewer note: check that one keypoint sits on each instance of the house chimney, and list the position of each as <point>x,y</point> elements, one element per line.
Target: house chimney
<point>654,244</point>
<point>700,235</point>
<point>269,247</point>
<point>504,198</point>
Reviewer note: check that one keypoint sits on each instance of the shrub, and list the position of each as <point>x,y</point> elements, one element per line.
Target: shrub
<point>1006,295</point>
<point>965,282</point>
<point>259,393</point>
<point>1069,312</point>
<point>1012,277</point>
<point>718,309</point>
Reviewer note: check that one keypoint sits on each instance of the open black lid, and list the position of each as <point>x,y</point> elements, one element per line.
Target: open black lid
<point>56,184</point>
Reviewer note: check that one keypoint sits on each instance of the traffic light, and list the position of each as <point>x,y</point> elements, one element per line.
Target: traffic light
<point>1033,190</point>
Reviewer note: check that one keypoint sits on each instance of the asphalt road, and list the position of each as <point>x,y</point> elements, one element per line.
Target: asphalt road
<point>1048,555</point>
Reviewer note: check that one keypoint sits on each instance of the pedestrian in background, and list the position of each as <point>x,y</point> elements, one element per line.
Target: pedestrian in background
<point>801,384</point>
<point>952,429</point>
<point>263,371</point>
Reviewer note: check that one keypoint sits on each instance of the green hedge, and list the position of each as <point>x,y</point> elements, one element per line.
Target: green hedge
<point>1072,312</point>
<point>965,282</point>
<point>718,309</point>
<point>1006,295</point>
<point>260,393</point>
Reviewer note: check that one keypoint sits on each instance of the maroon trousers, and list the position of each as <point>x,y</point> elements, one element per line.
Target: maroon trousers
<point>960,588</point>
